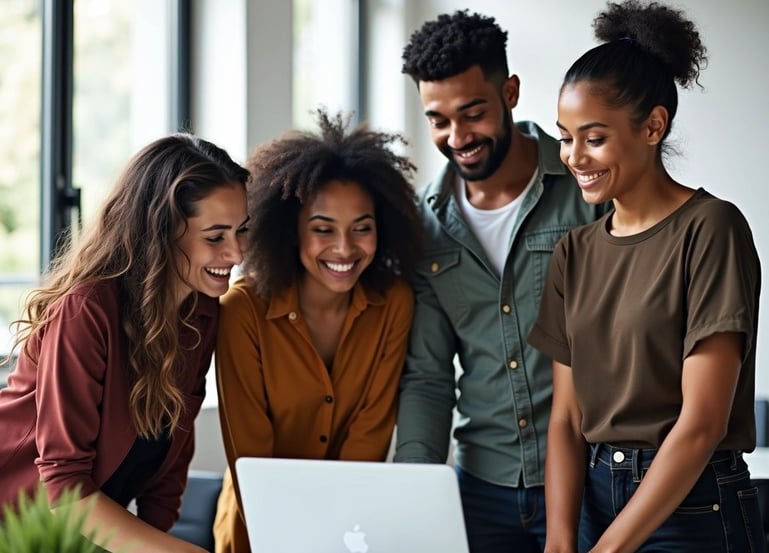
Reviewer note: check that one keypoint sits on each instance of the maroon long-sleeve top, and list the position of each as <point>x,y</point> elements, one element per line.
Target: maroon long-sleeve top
<point>65,420</point>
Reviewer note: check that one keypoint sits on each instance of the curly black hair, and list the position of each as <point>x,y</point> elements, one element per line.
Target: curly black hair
<point>288,172</point>
<point>647,48</point>
<point>451,44</point>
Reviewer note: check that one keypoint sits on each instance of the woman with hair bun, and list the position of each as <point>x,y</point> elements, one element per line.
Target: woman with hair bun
<point>650,315</point>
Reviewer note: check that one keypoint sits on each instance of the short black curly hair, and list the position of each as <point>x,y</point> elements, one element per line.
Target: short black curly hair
<point>452,44</point>
<point>289,171</point>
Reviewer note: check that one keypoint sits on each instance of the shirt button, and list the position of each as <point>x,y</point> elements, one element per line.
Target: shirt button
<point>513,364</point>
<point>323,438</point>
<point>434,267</point>
<point>522,423</point>
<point>329,399</point>
<point>506,308</point>
<point>618,456</point>
<point>292,316</point>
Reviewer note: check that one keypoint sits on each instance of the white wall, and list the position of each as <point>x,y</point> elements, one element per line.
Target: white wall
<point>242,72</point>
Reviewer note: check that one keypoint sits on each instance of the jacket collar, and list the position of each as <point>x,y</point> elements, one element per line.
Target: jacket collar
<point>549,163</point>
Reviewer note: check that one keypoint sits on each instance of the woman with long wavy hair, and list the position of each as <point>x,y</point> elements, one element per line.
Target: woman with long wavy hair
<point>115,345</point>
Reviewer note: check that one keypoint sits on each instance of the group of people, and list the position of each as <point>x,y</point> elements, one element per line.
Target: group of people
<point>583,323</point>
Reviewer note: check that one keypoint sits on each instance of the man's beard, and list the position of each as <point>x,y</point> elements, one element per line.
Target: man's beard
<point>497,152</point>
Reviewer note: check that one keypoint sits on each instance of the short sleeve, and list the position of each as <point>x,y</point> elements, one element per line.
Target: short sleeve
<point>723,277</point>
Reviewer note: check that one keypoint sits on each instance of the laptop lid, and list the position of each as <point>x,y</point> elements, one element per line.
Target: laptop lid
<point>312,506</point>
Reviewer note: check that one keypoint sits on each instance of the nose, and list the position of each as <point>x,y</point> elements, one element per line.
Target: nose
<point>233,250</point>
<point>459,136</point>
<point>575,155</point>
<point>343,244</point>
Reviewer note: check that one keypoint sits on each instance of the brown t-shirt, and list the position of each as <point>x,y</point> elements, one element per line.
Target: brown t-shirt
<point>624,312</point>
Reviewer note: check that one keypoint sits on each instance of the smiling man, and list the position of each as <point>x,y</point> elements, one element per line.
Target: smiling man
<point>491,218</point>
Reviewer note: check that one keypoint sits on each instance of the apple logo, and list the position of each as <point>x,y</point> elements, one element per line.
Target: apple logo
<point>355,540</point>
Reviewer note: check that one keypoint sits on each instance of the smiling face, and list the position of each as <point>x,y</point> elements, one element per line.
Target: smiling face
<point>213,241</point>
<point>606,151</point>
<point>470,120</point>
<point>337,237</point>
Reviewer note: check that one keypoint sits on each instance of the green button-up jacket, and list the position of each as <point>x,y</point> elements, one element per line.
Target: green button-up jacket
<point>502,387</point>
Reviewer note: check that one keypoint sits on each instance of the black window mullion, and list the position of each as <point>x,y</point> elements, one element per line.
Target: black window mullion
<point>180,60</point>
<point>360,59</point>
<point>57,191</point>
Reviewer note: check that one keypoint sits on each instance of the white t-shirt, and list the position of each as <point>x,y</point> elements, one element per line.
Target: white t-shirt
<point>492,227</point>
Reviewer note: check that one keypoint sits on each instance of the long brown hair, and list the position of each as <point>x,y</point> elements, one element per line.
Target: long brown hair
<point>135,240</point>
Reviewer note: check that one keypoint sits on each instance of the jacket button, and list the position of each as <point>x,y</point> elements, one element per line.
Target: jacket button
<point>513,364</point>
<point>329,399</point>
<point>506,308</point>
<point>292,316</point>
<point>434,267</point>
<point>324,438</point>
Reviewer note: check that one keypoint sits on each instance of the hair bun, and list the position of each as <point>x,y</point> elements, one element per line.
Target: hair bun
<point>658,29</point>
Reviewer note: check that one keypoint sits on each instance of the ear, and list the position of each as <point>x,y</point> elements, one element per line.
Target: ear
<point>656,124</point>
<point>510,91</point>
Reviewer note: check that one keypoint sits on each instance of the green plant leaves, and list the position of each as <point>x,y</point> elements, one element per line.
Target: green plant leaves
<point>33,527</point>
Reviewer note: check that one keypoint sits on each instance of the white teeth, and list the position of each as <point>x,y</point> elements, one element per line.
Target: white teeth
<point>339,267</point>
<point>471,152</point>
<point>590,176</point>
<point>218,272</point>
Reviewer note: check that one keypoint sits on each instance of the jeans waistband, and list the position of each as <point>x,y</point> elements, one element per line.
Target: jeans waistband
<point>637,459</point>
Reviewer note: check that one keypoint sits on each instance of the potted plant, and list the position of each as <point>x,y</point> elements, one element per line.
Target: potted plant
<point>32,527</point>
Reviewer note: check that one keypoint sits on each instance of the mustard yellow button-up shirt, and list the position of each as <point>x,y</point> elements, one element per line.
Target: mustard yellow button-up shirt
<point>277,398</point>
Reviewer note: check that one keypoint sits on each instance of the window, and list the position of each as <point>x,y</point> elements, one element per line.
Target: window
<point>128,72</point>
<point>325,59</point>
<point>121,89</point>
<point>20,50</point>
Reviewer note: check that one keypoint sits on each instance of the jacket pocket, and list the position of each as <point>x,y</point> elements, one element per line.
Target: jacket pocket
<point>540,245</point>
<point>435,264</point>
<point>441,271</point>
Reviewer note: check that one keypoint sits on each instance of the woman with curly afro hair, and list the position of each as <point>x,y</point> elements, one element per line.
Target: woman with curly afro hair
<point>313,337</point>
<point>650,315</point>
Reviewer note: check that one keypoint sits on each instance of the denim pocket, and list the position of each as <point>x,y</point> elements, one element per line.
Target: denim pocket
<point>751,516</point>
<point>704,497</point>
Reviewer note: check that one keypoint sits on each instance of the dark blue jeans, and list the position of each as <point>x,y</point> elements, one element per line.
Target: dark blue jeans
<point>721,513</point>
<point>501,519</point>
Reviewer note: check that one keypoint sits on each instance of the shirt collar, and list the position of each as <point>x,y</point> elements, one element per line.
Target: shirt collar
<point>287,301</point>
<point>205,306</point>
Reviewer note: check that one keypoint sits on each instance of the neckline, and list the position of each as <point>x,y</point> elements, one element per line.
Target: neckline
<point>652,230</point>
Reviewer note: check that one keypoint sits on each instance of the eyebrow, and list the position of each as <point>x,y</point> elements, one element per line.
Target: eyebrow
<point>224,227</point>
<point>463,107</point>
<point>586,126</point>
<point>319,217</point>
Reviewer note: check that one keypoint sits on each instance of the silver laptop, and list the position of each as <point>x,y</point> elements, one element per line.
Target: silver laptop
<point>309,506</point>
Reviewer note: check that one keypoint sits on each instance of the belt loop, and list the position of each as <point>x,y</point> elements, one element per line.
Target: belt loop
<point>734,455</point>
<point>594,454</point>
<point>636,462</point>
